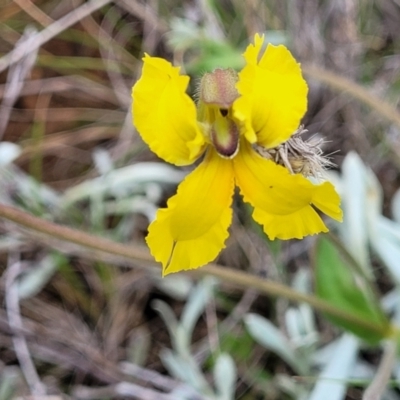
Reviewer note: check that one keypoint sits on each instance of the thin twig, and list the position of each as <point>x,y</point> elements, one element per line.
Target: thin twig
<point>144,13</point>
<point>34,12</point>
<point>146,375</point>
<point>16,75</point>
<point>15,321</point>
<point>121,90</point>
<point>72,235</point>
<point>227,275</point>
<point>122,389</point>
<point>154,378</point>
<point>348,86</point>
<point>73,83</point>
<point>212,326</point>
<point>378,385</point>
<point>53,30</point>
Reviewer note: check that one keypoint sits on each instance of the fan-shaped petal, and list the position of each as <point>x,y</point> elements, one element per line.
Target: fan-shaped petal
<point>164,114</point>
<point>192,230</point>
<point>283,202</point>
<point>273,94</point>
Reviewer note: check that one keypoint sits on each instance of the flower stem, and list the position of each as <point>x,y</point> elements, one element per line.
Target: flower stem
<point>276,289</point>
<point>71,235</point>
<point>136,253</point>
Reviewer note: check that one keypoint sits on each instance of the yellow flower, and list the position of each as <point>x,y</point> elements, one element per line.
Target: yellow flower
<point>260,106</point>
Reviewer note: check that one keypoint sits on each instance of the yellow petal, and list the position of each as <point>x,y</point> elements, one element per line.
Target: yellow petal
<point>193,229</point>
<point>291,226</point>
<point>273,94</point>
<point>327,200</point>
<point>252,52</point>
<point>164,114</point>
<point>283,203</point>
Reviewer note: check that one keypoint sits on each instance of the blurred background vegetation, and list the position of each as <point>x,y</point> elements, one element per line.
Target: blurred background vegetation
<point>87,318</point>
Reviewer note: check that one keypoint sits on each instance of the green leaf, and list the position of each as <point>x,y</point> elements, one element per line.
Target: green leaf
<point>214,54</point>
<point>238,344</point>
<point>337,283</point>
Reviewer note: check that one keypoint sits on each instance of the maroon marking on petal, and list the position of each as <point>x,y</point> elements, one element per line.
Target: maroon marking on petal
<point>226,143</point>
